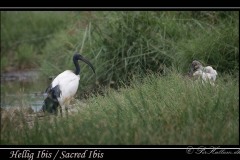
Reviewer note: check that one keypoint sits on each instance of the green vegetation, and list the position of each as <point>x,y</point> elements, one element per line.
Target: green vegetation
<point>139,94</point>
<point>152,110</point>
<point>120,44</point>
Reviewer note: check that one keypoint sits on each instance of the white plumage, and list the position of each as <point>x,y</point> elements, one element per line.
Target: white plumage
<point>68,84</point>
<point>207,74</point>
<point>64,87</point>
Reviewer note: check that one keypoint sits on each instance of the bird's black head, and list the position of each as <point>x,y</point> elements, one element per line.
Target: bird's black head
<point>77,57</point>
<point>194,66</point>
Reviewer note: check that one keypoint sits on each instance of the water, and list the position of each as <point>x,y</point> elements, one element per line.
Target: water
<point>26,100</point>
<point>23,89</point>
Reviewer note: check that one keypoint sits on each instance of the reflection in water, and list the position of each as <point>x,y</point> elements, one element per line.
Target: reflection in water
<point>22,92</point>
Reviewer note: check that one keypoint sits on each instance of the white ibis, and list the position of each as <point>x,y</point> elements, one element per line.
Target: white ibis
<point>64,87</point>
<point>207,74</point>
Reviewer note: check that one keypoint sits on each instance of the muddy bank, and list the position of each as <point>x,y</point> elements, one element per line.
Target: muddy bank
<point>19,117</point>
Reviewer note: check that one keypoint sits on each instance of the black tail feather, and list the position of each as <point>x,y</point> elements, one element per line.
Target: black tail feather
<point>51,103</point>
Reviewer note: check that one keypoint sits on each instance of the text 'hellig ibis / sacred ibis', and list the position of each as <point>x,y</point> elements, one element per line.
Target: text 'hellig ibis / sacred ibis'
<point>64,87</point>
<point>207,74</point>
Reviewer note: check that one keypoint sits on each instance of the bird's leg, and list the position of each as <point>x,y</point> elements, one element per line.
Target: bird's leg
<point>61,110</point>
<point>66,110</point>
<point>66,107</point>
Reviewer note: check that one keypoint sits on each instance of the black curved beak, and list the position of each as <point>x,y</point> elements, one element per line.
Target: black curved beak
<point>87,62</point>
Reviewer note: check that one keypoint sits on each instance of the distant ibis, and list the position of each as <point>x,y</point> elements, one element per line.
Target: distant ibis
<point>207,74</point>
<point>64,87</point>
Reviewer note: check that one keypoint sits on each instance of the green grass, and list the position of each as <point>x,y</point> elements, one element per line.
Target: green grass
<point>125,46</point>
<point>120,44</point>
<point>156,109</point>
<point>32,30</point>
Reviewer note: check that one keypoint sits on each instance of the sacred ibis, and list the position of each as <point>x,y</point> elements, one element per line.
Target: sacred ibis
<point>207,74</point>
<point>64,87</point>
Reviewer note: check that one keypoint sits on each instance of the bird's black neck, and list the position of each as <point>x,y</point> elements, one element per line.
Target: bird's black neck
<point>77,71</point>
